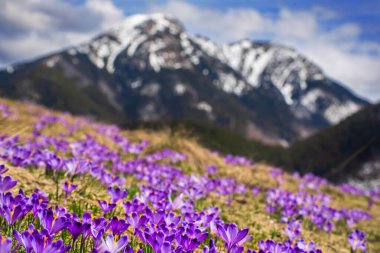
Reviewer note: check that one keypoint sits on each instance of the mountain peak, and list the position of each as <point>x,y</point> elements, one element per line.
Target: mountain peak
<point>149,68</point>
<point>149,24</point>
<point>129,35</point>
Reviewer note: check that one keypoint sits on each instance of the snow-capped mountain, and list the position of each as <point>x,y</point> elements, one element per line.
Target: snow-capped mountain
<point>150,69</point>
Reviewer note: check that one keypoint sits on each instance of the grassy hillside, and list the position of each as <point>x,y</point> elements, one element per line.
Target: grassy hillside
<point>165,174</point>
<point>220,139</point>
<point>340,150</point>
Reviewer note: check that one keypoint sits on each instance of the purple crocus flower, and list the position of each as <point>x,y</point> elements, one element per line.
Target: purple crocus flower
<point>54,162</point>
<point>5,244</point>
<point>118,226</point>
<point>177,203</point>
<point>237,249</point>
<point>211,169</point>
<point>287,246</point>
<point>6,183</point>
<point>106,207</point>
<point>69,187</point>
<point>357,240</point>
<point>109,246</point>
<point>43,245</point>
<point>232,235</point>
<point>74,166</point>
<point>307,247</point>
<point>116,194</point>
<point>237,160</point>
<point>3,169</point>
<point>189,243</point>
<point>134,206</point>
<point>13,212</point>
<point>38,200</point>
<point>293,229</point>
<point>157,241</point>
<point>39,242</point>
<point>272,246</point>
<point>255,190</point>
<point>129,249</point>
<point>171,220</point>
<point>135,221</point>
<point>76,228</point>
<point>53,223</point>
<point>24,239</point>
<point>155,218</point>
<point>98,227</point>
<point>211,248</point>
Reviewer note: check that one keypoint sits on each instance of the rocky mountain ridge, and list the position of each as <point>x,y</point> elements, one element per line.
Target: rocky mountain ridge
<point>150,69</point>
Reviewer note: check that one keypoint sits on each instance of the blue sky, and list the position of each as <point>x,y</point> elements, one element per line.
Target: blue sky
<point>342,37</point>
<point>363,13</point>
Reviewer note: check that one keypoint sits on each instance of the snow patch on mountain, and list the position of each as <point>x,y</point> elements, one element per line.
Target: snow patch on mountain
<point>230,84</point>
<point>204,106</point>
<point>52,61</point>
<point>136,84</point>
<point>10,69</point>
<point>179,89</point>
<point>309,100</point>
<point>339,111</point>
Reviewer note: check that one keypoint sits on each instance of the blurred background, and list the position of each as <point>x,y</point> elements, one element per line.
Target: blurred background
<point>291,83</point>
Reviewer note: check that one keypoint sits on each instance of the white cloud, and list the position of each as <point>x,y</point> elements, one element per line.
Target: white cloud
<point>109,13</point>
<point>339,50</point>
<point>32,28</point>
<point>222,26</point>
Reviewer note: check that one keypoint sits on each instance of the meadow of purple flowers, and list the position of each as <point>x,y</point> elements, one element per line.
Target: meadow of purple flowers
<point>154,202</point>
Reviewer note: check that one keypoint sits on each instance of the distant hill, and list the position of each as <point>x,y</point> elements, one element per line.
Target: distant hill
<point>350,149</point>
<point>347,151</point>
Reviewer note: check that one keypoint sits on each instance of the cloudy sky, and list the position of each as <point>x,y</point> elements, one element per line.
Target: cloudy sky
<point>343,37</point>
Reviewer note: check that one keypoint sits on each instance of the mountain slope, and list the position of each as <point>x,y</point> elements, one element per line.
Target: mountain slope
<point>350,149</point>
<point>150,69</point>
